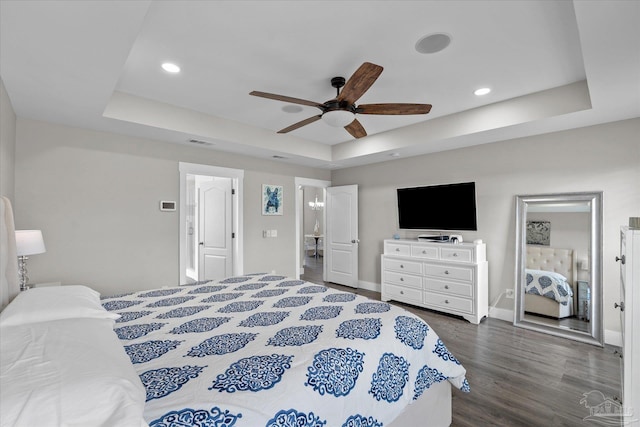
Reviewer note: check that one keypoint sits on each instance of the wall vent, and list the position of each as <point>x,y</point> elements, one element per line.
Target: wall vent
<point>199,142</point>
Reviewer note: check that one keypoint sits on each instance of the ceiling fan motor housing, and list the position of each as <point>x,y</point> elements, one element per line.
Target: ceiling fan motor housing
<point>334,105</point>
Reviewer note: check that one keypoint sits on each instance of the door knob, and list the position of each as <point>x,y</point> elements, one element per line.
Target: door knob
<point>201,243</point>
<point>621,305</point>
<point>358,241</point>
<point>622,259</point>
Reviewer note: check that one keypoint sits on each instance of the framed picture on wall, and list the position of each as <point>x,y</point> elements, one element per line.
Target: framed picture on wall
<point>272,199</point>
<point>539,233</point>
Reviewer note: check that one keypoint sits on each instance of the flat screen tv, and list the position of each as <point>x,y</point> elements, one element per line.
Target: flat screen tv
<point>450,207</point>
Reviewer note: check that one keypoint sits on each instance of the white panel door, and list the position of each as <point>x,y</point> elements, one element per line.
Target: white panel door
<point>215,230</point>
<point>341,242</point>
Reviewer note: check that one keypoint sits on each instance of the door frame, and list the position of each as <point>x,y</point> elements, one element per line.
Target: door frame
<point>237,176</point>
<point>307,182</point>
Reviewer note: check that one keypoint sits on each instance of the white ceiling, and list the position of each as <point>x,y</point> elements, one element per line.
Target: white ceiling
<point>552,65</point>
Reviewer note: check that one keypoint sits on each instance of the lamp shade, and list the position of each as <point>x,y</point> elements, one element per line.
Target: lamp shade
<point>338,118</point>
<point>29,242</point>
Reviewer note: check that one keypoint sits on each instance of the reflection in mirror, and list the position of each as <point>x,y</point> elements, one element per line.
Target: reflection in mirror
<point>558,257</point>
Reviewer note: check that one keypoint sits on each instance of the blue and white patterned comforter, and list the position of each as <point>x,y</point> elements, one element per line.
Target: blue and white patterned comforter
<point>264,350</point>
<point>548,284</point>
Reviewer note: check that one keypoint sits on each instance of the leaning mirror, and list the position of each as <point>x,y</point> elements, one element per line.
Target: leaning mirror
<point>558,265</point>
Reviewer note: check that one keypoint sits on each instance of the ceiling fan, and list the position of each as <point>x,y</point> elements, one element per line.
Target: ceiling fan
<point>341,110</point>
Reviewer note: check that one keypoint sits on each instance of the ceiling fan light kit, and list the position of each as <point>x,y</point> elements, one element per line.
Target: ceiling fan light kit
<point>338,118</point>
<point>341,111</point>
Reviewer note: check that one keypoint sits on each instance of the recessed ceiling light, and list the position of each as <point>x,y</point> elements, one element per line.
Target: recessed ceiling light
<point>290,108</point>
<point>433,43</point>
<point>170,67</point>
<point>481,91</point>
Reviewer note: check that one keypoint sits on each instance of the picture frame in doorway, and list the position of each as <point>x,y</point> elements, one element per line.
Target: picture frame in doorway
<point>272,199</point>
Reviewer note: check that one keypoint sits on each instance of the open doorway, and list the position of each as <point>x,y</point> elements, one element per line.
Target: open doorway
<point>313,236</point>
<point>310,220</point>
<point>210,222</point>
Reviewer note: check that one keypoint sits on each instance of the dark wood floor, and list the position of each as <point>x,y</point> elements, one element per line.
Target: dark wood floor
<point>518,377</point>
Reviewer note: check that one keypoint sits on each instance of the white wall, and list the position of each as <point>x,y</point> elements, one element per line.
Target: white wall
<point>95,196</point>
<point>7,144</point>
<point>599,158</point>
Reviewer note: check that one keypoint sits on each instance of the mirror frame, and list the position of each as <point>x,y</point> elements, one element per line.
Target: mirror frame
<point>596,330</point>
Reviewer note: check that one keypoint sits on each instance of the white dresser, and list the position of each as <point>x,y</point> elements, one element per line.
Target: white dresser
<point>629,260</point>
<point>447,277</point>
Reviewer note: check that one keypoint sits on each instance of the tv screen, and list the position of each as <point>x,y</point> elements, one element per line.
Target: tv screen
<point>438,207</point>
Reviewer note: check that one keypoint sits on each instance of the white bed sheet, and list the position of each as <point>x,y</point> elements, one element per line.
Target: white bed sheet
<point>71,373</point>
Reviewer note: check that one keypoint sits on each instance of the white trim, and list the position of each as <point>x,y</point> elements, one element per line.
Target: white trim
<point>369,286</point>
<point>237,176</point>
<point>613,337</point>
<point>501,313</point>
<point>298,181</point>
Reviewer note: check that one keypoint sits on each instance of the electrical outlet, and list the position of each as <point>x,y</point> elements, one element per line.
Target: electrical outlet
<point>509,293</point>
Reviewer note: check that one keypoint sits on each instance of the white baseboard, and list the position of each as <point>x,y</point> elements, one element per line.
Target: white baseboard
<point>613,337</point>
<point>502,314</point>
<point>369,286</point>
<point>610,337</point>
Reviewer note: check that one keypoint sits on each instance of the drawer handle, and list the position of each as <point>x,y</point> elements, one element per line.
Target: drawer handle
<point>446,286</point>
<point>401,292</point>
<point>397,249</point>
<point>446,272</point>
<point>401,265</point>
<point>446,301</point>
<point>455,254</point>
<point>402,279</point>
<point>424,252</point>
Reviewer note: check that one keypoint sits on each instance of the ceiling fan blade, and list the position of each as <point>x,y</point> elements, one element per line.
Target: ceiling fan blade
<point>355,129</point>
<point>360,82</point>
<point>285,99</point>
<point>393,109</point>
<point>300,124</point>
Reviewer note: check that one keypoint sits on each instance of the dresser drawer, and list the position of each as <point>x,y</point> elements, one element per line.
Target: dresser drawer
<point>449,272</point>
<point>424,252</point>
<point>450,288</point>
<point>403,279</point>
<point>397,249</point>
<point>456,254</point>
<point>403,265</point>
<point>448,302</point>
<point>400,293</point>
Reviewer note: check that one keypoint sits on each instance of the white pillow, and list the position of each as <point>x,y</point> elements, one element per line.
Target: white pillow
<point>68,373</point>
<point>54,303</point>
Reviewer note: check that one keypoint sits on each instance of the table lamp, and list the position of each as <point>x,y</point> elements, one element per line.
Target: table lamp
<point>28,242</point>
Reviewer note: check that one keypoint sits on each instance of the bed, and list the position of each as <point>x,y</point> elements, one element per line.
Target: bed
<point>550,281</point>
<point>252,350</point>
